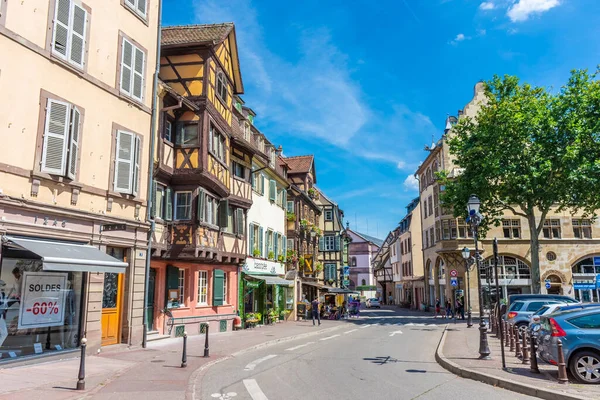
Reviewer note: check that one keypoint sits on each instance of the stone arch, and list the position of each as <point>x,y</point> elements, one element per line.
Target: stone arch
<point>520,268</point>
<point>561,276</point>
<point>576,260</point>
<point>440,266</point>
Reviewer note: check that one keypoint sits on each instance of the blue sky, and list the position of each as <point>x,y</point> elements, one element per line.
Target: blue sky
<point>364,85</point>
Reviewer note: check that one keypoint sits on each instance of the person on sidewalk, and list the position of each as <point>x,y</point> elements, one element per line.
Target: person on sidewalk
<point>315,311</point>
<point>438,308</point>
<point>460,303</point>
<point>448,309</point>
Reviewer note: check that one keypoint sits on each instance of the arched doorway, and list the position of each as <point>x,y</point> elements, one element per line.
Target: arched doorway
<point>555,284</point>
<point>514,277</point>
<point>584,279</point>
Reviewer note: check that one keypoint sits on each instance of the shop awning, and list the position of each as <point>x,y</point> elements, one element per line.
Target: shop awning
<point>342,291</point>
<point>272,280</point>
<point>315,284</point>
<point>61,256</point>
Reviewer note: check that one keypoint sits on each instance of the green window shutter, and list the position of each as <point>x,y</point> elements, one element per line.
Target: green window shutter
<point>284,245</point>
<point>153,202</point>
<point>284,201</point>
<point>337,243</point>
<point>169,204</point>
<point>223,210</point>
<point>322,243</point>
<point>276,245</point>
<point>250,239</point>
<point>239,219</point>
<point>172,279</point>
<point>262,184</point>
<point>272,190</point>
<point>260,240</point>
<point>201,205</point>
<point>218,278</point>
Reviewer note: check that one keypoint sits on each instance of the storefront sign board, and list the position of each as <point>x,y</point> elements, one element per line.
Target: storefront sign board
<point>42,300</point>
<point>258,266</point>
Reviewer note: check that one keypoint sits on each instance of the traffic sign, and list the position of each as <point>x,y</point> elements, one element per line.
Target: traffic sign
<point>548,285</point>
<point>454,281</point>
<point>453,273</point>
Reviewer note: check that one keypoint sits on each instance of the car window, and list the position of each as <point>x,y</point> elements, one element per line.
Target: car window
<point>516,306</point>
<point>542,310</point>
<point>590,321</point>
<point>535,305</point>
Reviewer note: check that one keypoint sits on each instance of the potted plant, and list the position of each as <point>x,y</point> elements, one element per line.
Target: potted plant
<point>258,317</point>
<point>256,253</point>
<point>313,194</point>
<point>281,258</point>
<point>304,223</point>
<point>301,262</point>
<point>273,315</point>
<point>286,314</point>
<point>271,255</point>
<point>318,267</point>
<point>291,217</point>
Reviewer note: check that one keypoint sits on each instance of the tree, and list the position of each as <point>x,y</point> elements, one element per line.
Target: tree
<point>528,151</point>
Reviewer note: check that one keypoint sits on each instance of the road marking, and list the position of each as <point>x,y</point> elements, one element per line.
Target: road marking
<point>253,365</point>
<point>223,396</point>
<point>394,333</point>
<point>329,337</point>
<point>366,326</point>
<point>350,331</point>
<point>254,390</point>
<point>299,347</point>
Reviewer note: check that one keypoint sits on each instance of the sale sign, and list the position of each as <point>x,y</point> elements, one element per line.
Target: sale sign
<point>42,299</point>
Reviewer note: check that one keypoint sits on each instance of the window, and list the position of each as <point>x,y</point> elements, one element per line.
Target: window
<point>511,228</point>
<point>202,287</point>
<point>437,231</point>
<point>363,282</point>
<point>183,205</point>
<point>425,208</point>
<point>187,134</point>
<point>591,321</point>
<point>354,261</point>
<point>159,201</point>
<point>269,240</point>
<point>127,163</point>
<point>409,247</point>
<point>272,190</point>
<point>208,208</point>
<point>551,229</point>
<point>181,286</point>
<point>582,228</point>
<point>247,131</point>
<point>464,230</point>
<point>133,61</point>
<point>222,87</point>
<point>69,32</point>
<point>426,239</point>
<point>508,268</point>
<point>328,215</point>
<point>238,169</point>
<point>290,245</point>
<point>329,243</point>
<point>436,198</point>
<point>330,272</point>
<point>137,6</point>
<point>431,236</point>
<point>62,136</point>
<point>225,288</point>
<point>167,132</point>
<point>216,144</point>
<point>430,204</point>
<point>255,242</point>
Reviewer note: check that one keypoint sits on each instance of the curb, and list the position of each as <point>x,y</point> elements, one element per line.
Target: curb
<point>507,384</point>
<point>190,393</point>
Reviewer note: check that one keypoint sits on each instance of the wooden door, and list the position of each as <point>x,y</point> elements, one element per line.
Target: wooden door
<point>111,308</point>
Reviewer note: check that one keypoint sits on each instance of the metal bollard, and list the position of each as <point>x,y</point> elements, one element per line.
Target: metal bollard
<point>518,352</point>
<point>533,345</point>
<point>184,355</point>
<point>81,376</point>
<point>511,331</point>
<point>507,333</point>
<point>498,327</point>
<point>206,342</point>
<point>562,366</point>
<point>492,325</point>
<point>525,349</point>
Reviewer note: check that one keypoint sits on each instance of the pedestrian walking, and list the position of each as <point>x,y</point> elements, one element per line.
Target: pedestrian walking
<point>438,308</point>
<point>460,307</point>
<point>448,309</point>
<point>315,311</point>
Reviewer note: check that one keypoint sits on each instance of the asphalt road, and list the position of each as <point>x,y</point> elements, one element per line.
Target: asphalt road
<point>383,355</point>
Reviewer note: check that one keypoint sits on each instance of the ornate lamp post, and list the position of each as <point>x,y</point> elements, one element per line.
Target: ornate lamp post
<point>466,253</point>
<point>475,219</point>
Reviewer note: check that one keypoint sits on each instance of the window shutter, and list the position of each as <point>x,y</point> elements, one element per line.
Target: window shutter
<point>153,202</point>
<point>222,210</point>
<point>200,212</point>
<point>138,74</point>
<point>251,239</point>
<point>284,245</point>
<point>126,66</point>
<point>218,278</point>
<point>168,204</point>
<point>79,25</point>
<point>239,219</point>
<point>262,184</point>
<point>337,243</point>
<point>123,162</point>
<point>136,165</point>
<point>260,240</point>
<point>74,143</point>
<point>276,245</point>
<point>322,243</point>
<point>290,206</point>
<point>284,199</point>
<point>172,277</point>
<point>61,27</point>
<point>142,7</point>
<point>272,190</point>
<point>55,137</point>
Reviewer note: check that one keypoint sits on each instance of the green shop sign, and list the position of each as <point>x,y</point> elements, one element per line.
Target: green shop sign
<point>252,284</point>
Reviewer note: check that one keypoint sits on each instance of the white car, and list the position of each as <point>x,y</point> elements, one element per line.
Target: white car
<point>373,303</point>
<point>548,309</point>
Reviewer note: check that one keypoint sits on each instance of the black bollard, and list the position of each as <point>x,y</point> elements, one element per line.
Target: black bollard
<point>534,365</point>
<point>206,341</point>
<point>184,355</point>
<point>525,349</point>
<point>562,366</point>
<point>81,376</point>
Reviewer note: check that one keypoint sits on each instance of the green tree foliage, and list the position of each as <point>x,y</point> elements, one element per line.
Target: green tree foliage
<point>528,151</point>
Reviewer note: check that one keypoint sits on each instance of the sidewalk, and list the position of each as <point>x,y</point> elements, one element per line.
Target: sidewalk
<point>152,373</point>
<point>459,352</point>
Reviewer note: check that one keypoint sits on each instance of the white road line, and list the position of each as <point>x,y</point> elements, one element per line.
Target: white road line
<point>350,331</point>
<point>394,333</point>
<point>254,390</point>
<point>329,337</point>
<point>299,347</point>
<point>253,365</point>
<point>366,326</point>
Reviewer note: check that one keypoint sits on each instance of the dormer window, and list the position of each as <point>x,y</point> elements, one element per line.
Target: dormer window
<point>247,131</point>
<point>222,87</point>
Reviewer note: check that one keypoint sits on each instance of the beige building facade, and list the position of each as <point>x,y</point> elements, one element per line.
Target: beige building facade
<point>569,244</point>
<point>75,131</point>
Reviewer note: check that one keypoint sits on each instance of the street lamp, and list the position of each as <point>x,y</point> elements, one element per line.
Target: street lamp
<point>466,253</point>
<point>475,219</point>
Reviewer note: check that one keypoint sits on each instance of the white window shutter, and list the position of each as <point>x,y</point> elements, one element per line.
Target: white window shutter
<point>138,74</point>
<point>78,33</point>
<point>56,132</point>
<point>136,165</point>
<point>62,17</point>
<point>123,162</point>
<point>74,143</point>
<point>126,66</point>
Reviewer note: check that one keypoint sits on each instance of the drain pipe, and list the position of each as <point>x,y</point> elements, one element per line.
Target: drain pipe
<point>150,194</point>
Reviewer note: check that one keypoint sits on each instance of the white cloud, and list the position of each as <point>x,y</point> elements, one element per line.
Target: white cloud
<point>411,183</point>
<point>401,165</point>
<point>487,5</point>
<point>521,10</point>
<point>481,32</point>
<point>459,38</point>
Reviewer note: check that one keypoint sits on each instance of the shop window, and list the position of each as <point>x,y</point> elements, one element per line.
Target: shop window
<point>551,229</point>
<point>582,228</point>
<point>203,287</point>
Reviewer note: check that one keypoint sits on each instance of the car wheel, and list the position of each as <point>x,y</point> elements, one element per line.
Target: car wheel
<point>585,366</point>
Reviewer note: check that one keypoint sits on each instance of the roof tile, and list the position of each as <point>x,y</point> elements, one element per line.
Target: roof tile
<point>299,164</point>
<point>194,34</point>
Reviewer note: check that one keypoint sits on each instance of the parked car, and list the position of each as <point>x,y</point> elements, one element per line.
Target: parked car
<point>560,298</point>
<point>373,303</point>
<point>579,332</point>
<point>576,307</point>
<point>548,309</point>
<point>520,312</point>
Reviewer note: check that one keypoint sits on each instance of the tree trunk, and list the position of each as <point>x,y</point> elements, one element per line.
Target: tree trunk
<point>535,255</point>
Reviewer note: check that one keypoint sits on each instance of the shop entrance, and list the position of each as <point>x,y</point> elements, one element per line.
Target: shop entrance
<point>150,310</point>
<point>112,299</point>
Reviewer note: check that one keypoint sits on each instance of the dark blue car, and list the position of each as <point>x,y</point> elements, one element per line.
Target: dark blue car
<point>579,332</point>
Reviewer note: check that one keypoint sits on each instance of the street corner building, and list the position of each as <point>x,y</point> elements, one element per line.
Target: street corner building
<point>76,122</point>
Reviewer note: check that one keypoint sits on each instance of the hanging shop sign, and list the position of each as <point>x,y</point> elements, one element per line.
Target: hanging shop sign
<point>346,270</point>
<point>252,284</point>
<point>258,266</point>
<point>42,299</point>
